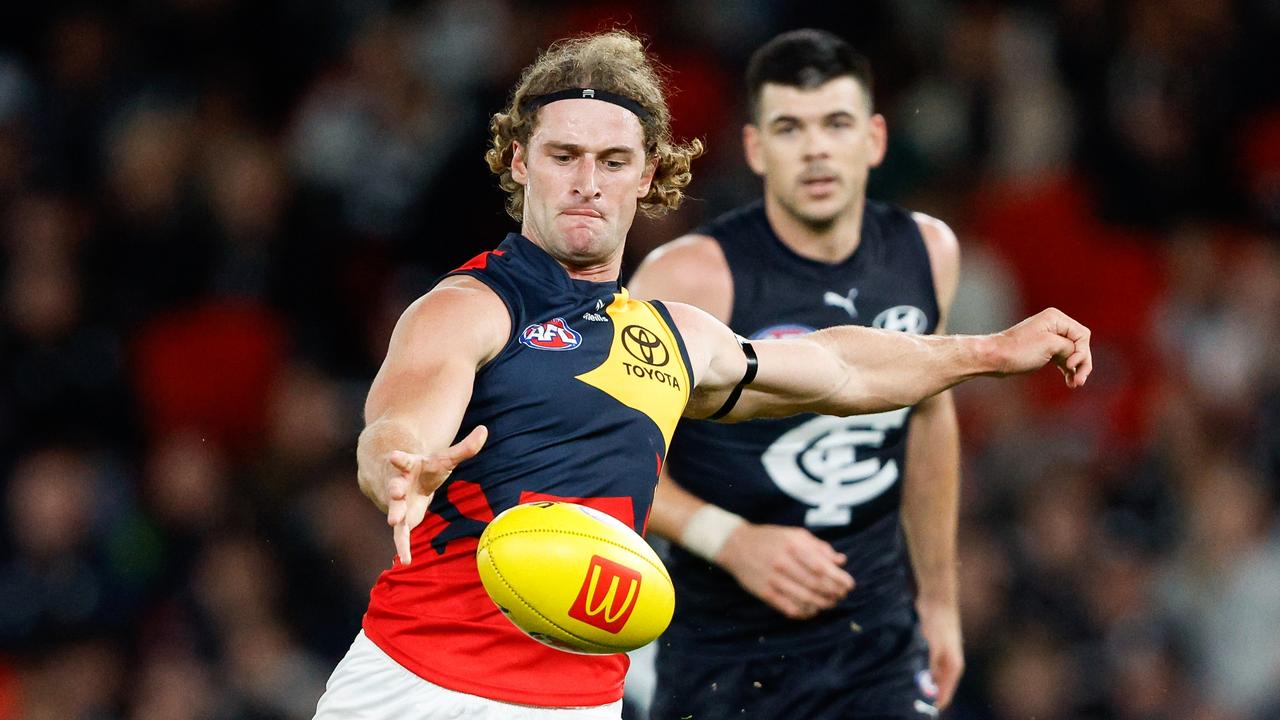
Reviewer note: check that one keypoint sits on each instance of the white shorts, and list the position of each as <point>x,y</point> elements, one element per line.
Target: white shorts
<point>369,685</point>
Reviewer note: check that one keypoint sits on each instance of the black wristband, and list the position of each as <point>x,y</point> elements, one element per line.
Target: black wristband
<point>753,364</point>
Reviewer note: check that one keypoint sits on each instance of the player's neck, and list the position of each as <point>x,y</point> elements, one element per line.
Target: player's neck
<point>831,243</point>
<point>607,270</point>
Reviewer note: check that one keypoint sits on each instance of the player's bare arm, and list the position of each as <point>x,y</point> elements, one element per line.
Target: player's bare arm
<point>789,568</point>
<point>417,400</point>
<point>851,370</point>
<point>931,489</point>
<point>691,269</point>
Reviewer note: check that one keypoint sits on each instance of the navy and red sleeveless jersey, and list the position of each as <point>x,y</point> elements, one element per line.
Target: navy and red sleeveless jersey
<point>838,477</point>
<point>581,404</point>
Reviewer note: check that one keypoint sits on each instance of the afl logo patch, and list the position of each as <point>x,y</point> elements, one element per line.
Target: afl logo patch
<point>903,318</point>
<point>551,335</point>
<point>775,332</point>
<point>644,345</point>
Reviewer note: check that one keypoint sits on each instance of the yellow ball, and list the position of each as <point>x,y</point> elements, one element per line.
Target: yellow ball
<point>575,578</point>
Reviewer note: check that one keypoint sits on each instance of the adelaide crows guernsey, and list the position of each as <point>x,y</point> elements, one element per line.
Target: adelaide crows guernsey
<point>838,477</point>
<point>581,404</point>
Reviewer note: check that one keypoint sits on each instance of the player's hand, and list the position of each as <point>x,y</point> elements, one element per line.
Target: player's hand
<point>411,480</point>
<point>1047,336</point>
<point>787,567</point>
<point>940,624</point>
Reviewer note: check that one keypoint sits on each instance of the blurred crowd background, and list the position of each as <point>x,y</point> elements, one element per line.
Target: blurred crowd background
<point>212,212</point>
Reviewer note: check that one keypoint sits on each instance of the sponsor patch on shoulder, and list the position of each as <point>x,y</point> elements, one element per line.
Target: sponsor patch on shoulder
<point>903,318</point>
<point>551,335</point>
<point>774,332</point>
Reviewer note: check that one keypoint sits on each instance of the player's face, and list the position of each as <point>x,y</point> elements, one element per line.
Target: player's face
<point>815,147</point>
<point>583,173</point>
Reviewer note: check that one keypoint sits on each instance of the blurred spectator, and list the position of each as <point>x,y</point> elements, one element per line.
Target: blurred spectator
<point>370,134</point>
<point>171,685</point>
<point>53,356</point>
<point>1221,584</point>
<point>57,578</point>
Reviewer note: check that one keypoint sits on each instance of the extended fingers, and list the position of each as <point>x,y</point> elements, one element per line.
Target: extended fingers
<point>406,463</point>
<point>443,462</point>
<point>467,447</point>
<point>397,491</point>
<point>397,518</point>
<point>400,531</point>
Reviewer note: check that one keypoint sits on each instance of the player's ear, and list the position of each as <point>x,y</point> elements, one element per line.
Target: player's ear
<point>751,147</point>
<point>878,138</point>
<point>646,180</point>
<point>519,171</point>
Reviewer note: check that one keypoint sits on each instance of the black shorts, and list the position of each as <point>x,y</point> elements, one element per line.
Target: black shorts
<point>878,675</point>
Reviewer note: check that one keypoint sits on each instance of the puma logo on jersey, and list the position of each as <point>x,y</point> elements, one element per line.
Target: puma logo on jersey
<point>842,301</point>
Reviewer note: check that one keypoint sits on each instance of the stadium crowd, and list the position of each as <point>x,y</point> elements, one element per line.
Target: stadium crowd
<point>212,211</point>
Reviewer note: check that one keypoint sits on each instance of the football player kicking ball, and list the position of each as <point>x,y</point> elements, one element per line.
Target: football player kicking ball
<point>766,624</point>
<point>580,388</point>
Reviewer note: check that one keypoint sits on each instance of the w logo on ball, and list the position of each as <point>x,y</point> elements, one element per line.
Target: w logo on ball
<point>602,602</point>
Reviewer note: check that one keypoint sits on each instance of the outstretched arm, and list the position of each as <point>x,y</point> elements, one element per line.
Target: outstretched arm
<point>854,370</point>
<point>417,400</point>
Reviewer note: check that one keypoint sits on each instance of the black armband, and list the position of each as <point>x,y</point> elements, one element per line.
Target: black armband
<point>753,364</point>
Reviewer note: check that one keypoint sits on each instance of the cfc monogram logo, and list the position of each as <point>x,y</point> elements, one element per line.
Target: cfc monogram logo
<point>835,463</point>
<point>608,595</point>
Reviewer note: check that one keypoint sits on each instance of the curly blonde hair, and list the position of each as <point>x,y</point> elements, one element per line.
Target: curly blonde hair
<point>615,62</point>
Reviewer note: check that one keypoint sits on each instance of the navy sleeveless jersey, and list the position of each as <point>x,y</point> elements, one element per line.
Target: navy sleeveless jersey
<point>839,477</point>
<point>581,404</point>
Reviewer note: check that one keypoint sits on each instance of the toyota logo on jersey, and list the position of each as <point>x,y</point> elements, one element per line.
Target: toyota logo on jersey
<point>551,335</point>
<point>644,345</point>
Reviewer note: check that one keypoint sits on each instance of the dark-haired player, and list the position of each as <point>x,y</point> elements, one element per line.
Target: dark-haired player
<point>775,519</point>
